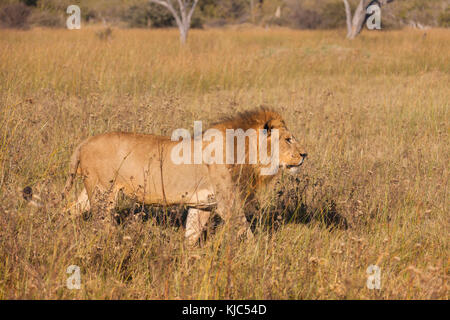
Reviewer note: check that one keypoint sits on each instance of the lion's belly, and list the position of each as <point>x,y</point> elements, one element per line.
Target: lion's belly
<point>133,164</point>
<point>178,184</point>
<point>199,198</point>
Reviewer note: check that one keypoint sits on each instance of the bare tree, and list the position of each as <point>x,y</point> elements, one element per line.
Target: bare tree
<point>355,25</point>
<point>182,16</point>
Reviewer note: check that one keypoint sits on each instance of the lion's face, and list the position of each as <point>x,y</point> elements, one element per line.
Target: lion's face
<point>291,154</point>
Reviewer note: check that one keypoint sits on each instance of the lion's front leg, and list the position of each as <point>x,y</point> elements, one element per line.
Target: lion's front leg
<point>195,223</point>
<point>103,204</point>
<point>236,218</point>
<point>230,207</point>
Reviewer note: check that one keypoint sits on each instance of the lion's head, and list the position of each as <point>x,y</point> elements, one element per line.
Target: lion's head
<point>291,154</point>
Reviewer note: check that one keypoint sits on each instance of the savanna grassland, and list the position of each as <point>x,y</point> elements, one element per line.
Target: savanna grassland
<point>373,115</point>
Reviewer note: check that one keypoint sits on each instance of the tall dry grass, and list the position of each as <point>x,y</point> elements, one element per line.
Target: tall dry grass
<point>373,115</point>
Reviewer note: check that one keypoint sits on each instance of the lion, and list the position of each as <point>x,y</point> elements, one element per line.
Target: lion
<point>142,167</point>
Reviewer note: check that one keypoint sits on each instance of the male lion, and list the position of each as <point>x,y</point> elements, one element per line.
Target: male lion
<point>140,165</point>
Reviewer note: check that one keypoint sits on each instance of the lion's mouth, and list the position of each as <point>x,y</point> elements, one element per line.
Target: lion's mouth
<point>290,166</point>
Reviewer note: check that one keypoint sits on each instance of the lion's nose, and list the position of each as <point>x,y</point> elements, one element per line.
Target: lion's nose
<point>303,155</point>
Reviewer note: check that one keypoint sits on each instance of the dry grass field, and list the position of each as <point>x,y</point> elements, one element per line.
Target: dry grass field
<point>373,115</point>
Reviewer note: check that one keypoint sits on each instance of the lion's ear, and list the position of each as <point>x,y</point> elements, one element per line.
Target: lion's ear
<point>272,124</point>
<point>268,126</point>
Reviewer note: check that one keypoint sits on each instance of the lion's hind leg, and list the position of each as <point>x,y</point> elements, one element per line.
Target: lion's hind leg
<point>81,205</point>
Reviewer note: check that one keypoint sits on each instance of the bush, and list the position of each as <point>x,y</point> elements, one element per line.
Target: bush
<point>89,15</point>
<point>197,20</point>
<point>305,19</point>
<point>46,19</point>
<point>333,15</point>
<point>444,19</point>
<point>30,3</point>
<point>56,5</point>
<point>146,15</point>
<point>15,16</point>
<point>104,34</point>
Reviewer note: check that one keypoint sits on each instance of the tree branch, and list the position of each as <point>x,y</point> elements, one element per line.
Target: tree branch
<point>348,14</point>
<point>359,16</point>
<point>182,10</point>
<point>191,12</point>
<point>183,17</point>
<point>168,4</point>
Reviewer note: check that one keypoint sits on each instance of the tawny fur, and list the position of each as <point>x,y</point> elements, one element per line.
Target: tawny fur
<point>140,166</point>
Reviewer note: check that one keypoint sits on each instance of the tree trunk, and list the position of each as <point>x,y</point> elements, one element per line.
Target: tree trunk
<point>183,34</point>
<point>348,14</point>
<point>183,17</point>
<point>355,25</point>
<point>358,18</point>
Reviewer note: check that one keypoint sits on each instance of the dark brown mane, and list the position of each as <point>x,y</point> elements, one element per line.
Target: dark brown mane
<point>249,119</point>
<point>247,175</point>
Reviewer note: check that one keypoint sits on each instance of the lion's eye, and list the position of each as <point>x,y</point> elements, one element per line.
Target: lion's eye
<point>289,140</point>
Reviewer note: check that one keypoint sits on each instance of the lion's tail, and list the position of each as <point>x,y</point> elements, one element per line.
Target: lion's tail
<point>73,168</point>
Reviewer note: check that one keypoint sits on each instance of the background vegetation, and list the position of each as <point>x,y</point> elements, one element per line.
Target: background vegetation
<point>300,14</point>
<point>373,114</point>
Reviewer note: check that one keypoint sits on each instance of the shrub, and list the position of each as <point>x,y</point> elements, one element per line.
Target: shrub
<point>104,34</point>
<point>146,15</point>
<point>30,3</point>
<point>305,19</point>
<point>15,16</point>
<point>89,14</point>
<point>46,18</point>
<point>197,20</point>
<point>444,19</point>
<point>57,5</point>
<point>333,15</point>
